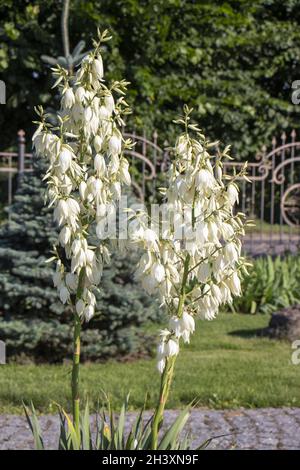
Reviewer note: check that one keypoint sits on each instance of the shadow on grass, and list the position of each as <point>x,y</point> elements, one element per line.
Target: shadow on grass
<point>255,333</point>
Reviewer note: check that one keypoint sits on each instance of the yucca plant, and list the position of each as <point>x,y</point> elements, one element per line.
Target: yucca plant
<point>110,432</point>
<point>272,284</point>
<point>191,269</point>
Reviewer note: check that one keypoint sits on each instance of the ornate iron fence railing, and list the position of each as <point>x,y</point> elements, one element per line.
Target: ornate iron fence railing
<point>272,197</point>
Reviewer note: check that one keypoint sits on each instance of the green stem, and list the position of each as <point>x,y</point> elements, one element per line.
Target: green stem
<point>76,359</point>
<point>165,385</point>
<point>75,375</point>
<point>167,375</point>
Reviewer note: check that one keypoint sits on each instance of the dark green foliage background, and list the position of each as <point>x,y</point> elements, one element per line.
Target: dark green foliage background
<point>233,61</point>
<point>33,322</point>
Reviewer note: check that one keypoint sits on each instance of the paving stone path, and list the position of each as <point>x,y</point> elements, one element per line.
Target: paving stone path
<point>264,428</point>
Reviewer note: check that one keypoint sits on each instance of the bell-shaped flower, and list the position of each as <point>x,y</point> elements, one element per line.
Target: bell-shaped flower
<point>115,144</point>
<point>172,348</point>
<point>68,98</point>
<point>64,294</point>
<point>97,68</point>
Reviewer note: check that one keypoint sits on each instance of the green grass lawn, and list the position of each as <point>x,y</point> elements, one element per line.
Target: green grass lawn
<point>267,228</point>
<point>226,365</point>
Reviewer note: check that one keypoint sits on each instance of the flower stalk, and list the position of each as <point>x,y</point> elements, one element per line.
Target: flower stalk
<point>168,372</point>
<point>75,375</point>
<point>76,358</point>
<point>85,177</point>
<point>165,385</point>
<point>192,257</point>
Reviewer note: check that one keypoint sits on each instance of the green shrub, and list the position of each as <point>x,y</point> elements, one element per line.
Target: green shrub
<point>272,284</point>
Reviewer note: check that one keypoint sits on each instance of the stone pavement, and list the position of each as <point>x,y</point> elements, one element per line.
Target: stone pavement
<point>264,428</point>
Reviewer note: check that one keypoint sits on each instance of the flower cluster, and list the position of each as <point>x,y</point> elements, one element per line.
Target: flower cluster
<point>192,252</point>
<point>86,172</point>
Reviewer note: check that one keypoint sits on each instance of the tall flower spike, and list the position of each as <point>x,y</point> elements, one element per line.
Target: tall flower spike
<point>194,268</point>
<point>87,170</point>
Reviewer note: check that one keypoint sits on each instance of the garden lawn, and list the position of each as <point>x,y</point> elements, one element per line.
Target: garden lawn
<point>226,366</point>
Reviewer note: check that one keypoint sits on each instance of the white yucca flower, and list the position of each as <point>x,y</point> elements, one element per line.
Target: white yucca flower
<point>80,94</point>
<point>64,294</point>
<point>109,103</point>
<point>194,269</point>
<point>232,193</point>
<point>124,172</point>
<point>187,322</point>
<point>98,142</point>
<point>68,98</point>
<point>99,164</point>
<point>97,68</point>
<point>115,144</point>
<point>172,348</point>
<point>204,179</point>
<point>161,365</point>
<point>175,326</point>
<point>65,159</point>
<point>158,272</point>
<point>87,142</point>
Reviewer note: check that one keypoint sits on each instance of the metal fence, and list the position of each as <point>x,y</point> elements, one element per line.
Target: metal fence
<point>272,198</point>
<point>12,166</point>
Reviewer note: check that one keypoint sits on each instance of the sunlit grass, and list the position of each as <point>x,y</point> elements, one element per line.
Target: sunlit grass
<point>226,365</point>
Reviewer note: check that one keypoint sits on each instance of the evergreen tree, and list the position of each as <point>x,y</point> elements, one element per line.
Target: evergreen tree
<point>33,321</point>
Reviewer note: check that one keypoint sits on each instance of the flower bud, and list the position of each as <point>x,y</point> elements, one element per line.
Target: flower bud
<point>64,294</point>
<point>97,68</point>
<point>68,98</point>
<point>124,173</point>
<point>57,279</point>
<point>232,194</point>
<point>65,235</point>
<point>80,305</point>
<point>98,142</point>
<point>115,145</point>
<point>89,312</point>
<point>83,190</point>
<point>109,103</point>
<point>99,164</point>
<point>234,284</point>
<point>71,281</point>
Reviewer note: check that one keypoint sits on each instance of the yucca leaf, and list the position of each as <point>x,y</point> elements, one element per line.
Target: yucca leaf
<point>85,428</point>
<point>204,444</point>
<point>34,426</point>
<point>63,443</point>
<point>170,437</point>
<point>121,423</point>
<point>71,432</point>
